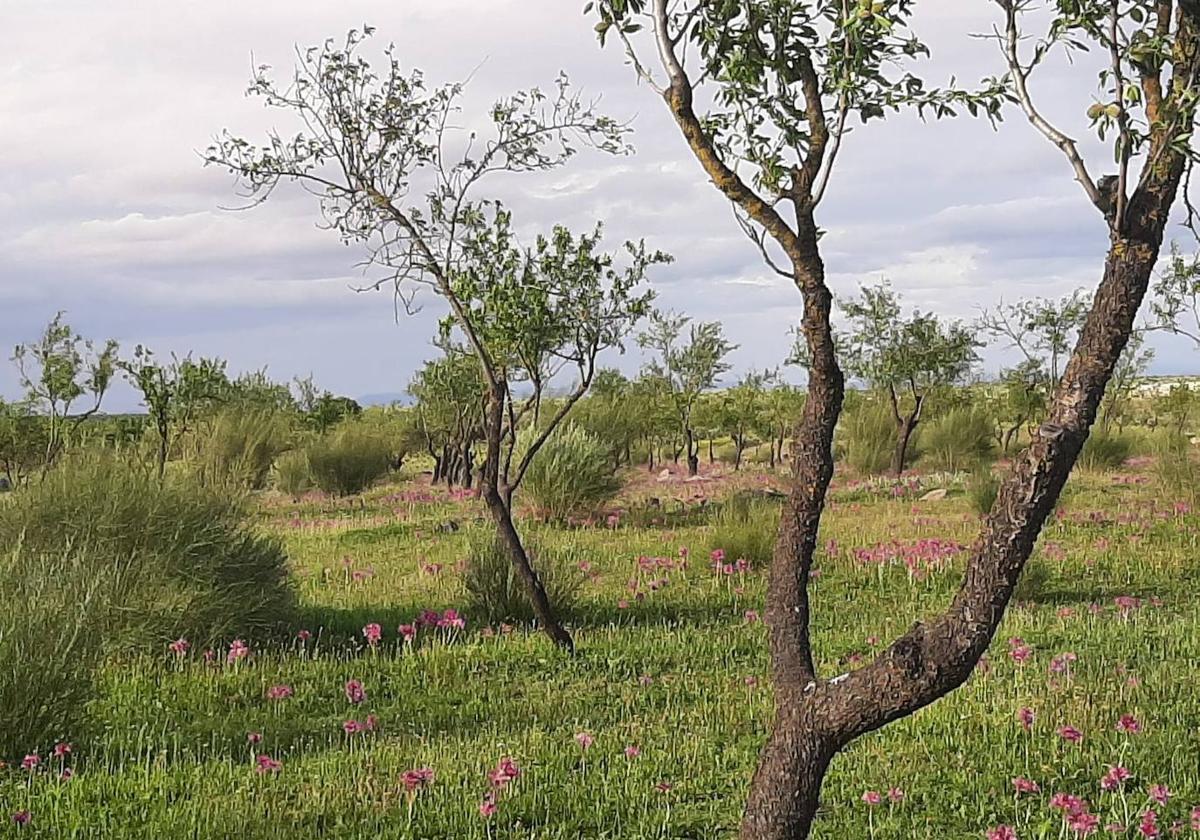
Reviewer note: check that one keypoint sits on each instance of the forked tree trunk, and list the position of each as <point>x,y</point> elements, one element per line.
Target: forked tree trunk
<point>904,433</point>
<point>816,718</point>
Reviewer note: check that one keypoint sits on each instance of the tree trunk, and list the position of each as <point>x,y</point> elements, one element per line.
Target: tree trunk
<point>904,433</point>
<point>693,453</point>
<point>739,446</point>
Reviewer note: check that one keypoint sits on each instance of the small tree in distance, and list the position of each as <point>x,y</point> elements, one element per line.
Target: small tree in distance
<point>379,149</point>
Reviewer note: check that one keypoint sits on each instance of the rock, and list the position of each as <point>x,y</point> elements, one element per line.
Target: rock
<point>935,495</point>
<point>665,475</point>
<point>448,527</point>
<point>698,478</point>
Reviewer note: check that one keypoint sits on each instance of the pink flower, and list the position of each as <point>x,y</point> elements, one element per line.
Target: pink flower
<point>1160,794</point>
<point>279,692</point>
<point>354,691</point>
<point>1129,724</point>
<point>1001,832</point>
<point>751,616</point>
<point>1070,733</point>
<point>21,818</point>
<point>304,635</point>
<point>408,632</point>
<point>584,740</point>
<point>1114,778</point>
<point>352,727</point>
<point>266,764</point>
<point>237,651</point>
<point>451,619</point>
<point>62,749</point>
<point>1026,716</point>
<point>372,633</point>
<point>895,795</point>
<point>664,787</point>
<point>872,797</point>
<point>1023,785</point>
<point>414,780</point>
<point>632,751</point>
<point>254,737</point>
<point>1196,818</point>
<point>31,761</point>
<point>1148,827</point>
<point>1021,654</point>
<point>1083,822</point>
<point>1068,803</point>
<point>488,806</point>
<point>505,772</point>
<point>180,646</point>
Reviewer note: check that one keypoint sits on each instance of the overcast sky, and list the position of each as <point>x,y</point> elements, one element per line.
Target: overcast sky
<point>107,213</point>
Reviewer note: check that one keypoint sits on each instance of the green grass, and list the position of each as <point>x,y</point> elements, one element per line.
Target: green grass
<point>668,673</point>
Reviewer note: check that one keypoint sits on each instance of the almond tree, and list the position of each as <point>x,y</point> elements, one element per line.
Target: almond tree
<point>393,176</point>
<point>784,77</point>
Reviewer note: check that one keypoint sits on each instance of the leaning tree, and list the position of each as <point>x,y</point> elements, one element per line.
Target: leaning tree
<point>784,76</point>
<point>393,175</point>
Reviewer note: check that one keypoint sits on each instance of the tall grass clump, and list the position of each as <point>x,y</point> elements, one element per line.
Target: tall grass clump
<point>292,473</point>
<point>959,439</point>
<point>54,618</point>
<point>867,437</point>
<point>349,460</point>
<point>493,590</point>
<point>1105,450</point>
<point>1175,466</point>
<point>237,448</point>
<point>744,527</point>
<point>982,487</point>
<point>187,562</point>
<point>571,475</point>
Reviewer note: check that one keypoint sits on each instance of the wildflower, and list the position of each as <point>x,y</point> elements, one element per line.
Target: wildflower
<point>414,780</point>
<point>1160,793</point>
<point>895,795</point>
<point>354,691</point>
<point>1002,832</point>
<point>372,633</point>
<point>1068,803</point>
<point>254,737</point>
<point>451,619</point>
<point>62,749</point>
<point>352,727</point>
<point>505,772</point>
<point>1129,724</point>
<point>279,692</point>
<point>872,797</point>
<point>1062,663</point>
<point>645,680</point>
<point>1021,653</point>
<point>180,646</point>
<point>1026,716</point>
<point>750,681</point>
<point>751,616</point>
<point>31,762</point>
<point>21,818</point>
<point>1083,822</point>
<point>408,632</point>
<point>663,787</point>
<point>238,651</point>
<point>266,764</point>
<point>632,751</point>
<point>304,635</point>
<point>584,740</point>
<point>1114,778</point>
<point>370,724</point>
<point>1023,785</point>
<point>67,774</point>
<point>1195,815</point>
<point>1148,827</point>
<point>488,806</point>
<point>1070,733</point>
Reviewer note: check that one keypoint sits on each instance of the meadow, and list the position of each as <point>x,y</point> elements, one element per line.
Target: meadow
<point>393,711</point>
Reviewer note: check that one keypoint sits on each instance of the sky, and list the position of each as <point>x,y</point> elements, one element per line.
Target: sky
<point>107,212</point>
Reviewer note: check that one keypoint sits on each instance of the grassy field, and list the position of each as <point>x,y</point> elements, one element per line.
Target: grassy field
<point>653,728</point>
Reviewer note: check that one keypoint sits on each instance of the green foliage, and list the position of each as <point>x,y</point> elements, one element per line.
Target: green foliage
<point>187,562</point>
<point>571,476</point>
<point>745,527</point>
<point>1042,330</point>
<point>1105,450</point>
<point>237,447</point>
<point>55,617</point>
<point>349,460</point>
<point>867,436</point>
<point>1176,467</point>
<point>962,438</point>
<point>292,473</point>
<point>494,591</point>
<point>982,487</point>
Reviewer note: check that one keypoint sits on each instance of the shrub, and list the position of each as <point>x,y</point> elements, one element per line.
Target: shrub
<point>744,527</point>
<point>982,488</point>
<point>188,563</point>
<point>292,474</point>
<point>348,461</point>
<point>238,446</point>
<point>495,592</point>
<point>1035,577</point>
<point>51,627</point>
<point>1105,450</point>
<point>868,437</point>
<point>959,439</point>
<point>1175,466</point>
<point>571,475</point>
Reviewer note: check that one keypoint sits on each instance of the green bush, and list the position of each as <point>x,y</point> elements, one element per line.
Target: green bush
<point>959,439</point>
<point>571,475</point>
<point>54,618</point>
<point>237,447</point>
<point>292,473</point>
<point>745,527</point>
<point>1105,450</point>
<point>188,562</point>
<point>982,488</point>
<point>349,460</point>
<point>494,591</point>
<point>867,437</point>
<point>1175,467</point>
